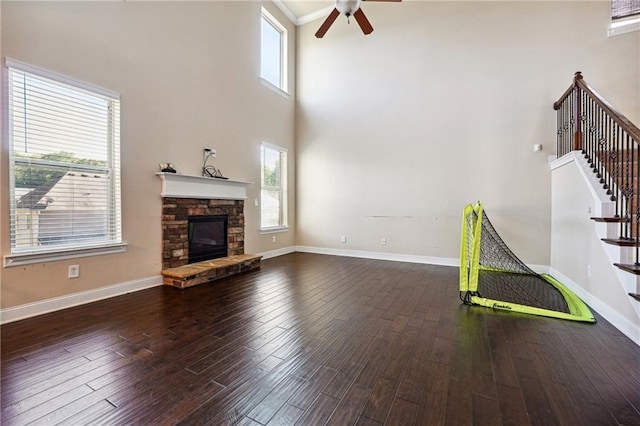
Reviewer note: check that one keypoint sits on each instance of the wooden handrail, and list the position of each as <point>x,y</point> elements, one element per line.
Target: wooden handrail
<point>557,104</point>
<point>617,116</point>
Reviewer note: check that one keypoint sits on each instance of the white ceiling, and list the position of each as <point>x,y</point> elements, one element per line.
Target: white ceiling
<point>303,11</point>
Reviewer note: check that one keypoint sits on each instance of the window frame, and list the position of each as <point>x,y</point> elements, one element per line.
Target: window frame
<point>623,24</point>
<point>112,243</point>
<point>283,86</point>
<point>283,222</point>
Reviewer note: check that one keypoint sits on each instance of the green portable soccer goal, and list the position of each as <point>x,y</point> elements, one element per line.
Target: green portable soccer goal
<point>491,275</point>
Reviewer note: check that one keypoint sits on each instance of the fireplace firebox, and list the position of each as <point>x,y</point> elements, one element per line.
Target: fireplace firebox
<point>207,237</point>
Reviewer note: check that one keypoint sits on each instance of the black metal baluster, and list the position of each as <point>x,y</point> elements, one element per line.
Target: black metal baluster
<point>636,230</point>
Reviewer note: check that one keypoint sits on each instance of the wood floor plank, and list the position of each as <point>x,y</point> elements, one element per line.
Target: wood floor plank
<point>513,411</point>
<point>533,391</point>
<point>379,403</point>
<point>319,411</point>
<point>272,403</point>
<point>434,403</point>
<point>402,413</point>
<point>310,339</point>
<point>348,409</point>
<point>287,415</point>
<point>486,411</point>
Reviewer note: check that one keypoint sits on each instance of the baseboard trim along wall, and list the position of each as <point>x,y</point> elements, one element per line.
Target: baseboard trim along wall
<point>278,252</point>
<point>618,321</point>
<point>28,310</point>
<point>395,257</point>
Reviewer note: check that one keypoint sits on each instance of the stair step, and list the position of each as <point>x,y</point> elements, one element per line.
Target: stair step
<point>634,268</point>
<point>611,219</point>
<point>635,295</point>
<point>621,242</point>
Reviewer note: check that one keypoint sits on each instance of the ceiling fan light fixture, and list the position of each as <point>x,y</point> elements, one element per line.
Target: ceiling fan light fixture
<point>348,8</point>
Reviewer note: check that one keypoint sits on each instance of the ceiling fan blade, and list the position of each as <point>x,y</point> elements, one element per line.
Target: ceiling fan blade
<point>362,20</point>
<point>327,23</point>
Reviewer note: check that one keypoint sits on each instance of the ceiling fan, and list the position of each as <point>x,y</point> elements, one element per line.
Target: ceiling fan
<point>348,8</point>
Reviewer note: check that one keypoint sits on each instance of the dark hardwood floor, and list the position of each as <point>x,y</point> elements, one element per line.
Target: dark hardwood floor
<point>314,339</point>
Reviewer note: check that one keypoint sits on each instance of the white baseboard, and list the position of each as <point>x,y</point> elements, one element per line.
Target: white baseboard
<point>278,252</point>
<point>625,326</point>
<point>16,313</point>
<point>395,257</point>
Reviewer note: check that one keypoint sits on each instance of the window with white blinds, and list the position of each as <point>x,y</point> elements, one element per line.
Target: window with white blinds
<point>64,140</point>
<point>273,172</point>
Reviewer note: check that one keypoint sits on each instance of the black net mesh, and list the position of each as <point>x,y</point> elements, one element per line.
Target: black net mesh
<point>504,277</point>
<point>495,254</point>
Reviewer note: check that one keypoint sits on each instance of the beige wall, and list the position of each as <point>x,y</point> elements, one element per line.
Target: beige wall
<point>439,107</point>
<point>188,77</point>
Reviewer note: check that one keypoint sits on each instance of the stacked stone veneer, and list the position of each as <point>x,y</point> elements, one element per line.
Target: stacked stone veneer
<point>175,218</point>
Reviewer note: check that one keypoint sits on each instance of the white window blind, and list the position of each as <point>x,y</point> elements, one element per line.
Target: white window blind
<point>621,9</point>
<point>273,165</point>
<point>273,58</point>
<point>64,163</point>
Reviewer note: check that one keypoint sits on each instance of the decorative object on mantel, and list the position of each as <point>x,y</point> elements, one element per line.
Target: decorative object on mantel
<point>167,168</point>
<point>210,170</point>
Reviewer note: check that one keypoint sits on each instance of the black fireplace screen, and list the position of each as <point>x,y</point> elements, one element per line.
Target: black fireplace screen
<point>207,237</point>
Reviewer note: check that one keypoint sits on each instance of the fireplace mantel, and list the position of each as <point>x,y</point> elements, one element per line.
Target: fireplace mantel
<point>186,186</point>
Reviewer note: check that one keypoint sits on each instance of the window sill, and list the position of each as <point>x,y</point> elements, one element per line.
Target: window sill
<point>52,256</point>
<point>623,27</point>
<point>274,230</point>
<point>276,89</point>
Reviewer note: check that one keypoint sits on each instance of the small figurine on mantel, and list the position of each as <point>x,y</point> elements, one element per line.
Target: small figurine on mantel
<point>167,168</point>
<point>210,170</point>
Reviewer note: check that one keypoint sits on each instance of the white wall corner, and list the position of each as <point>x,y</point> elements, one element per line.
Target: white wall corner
<point>582,237</point>
<point>604,206</point>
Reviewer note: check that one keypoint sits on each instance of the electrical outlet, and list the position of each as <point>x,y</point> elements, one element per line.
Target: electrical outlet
<point>74,271</point>
<point>273,239</point>
<point>384,241</point>
<point>209,152</point>
<point>255,202</point>
<point>589,271</point>
<point>343,239</point>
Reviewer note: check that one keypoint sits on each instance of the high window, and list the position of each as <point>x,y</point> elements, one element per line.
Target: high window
<point>621,9</point>
<point>64,142</point>
<point>273,48</point>
<point>273,165</point>
<point>625,17</point>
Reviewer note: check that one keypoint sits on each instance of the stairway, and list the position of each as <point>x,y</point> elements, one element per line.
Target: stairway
<point>610,144</point>
<point>579,257</point>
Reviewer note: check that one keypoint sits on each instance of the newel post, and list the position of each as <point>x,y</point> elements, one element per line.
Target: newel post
<point>577,96</point>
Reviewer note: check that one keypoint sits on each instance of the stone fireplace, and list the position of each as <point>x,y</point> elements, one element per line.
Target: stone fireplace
<point>175,232</point>
<point>192,197</point>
